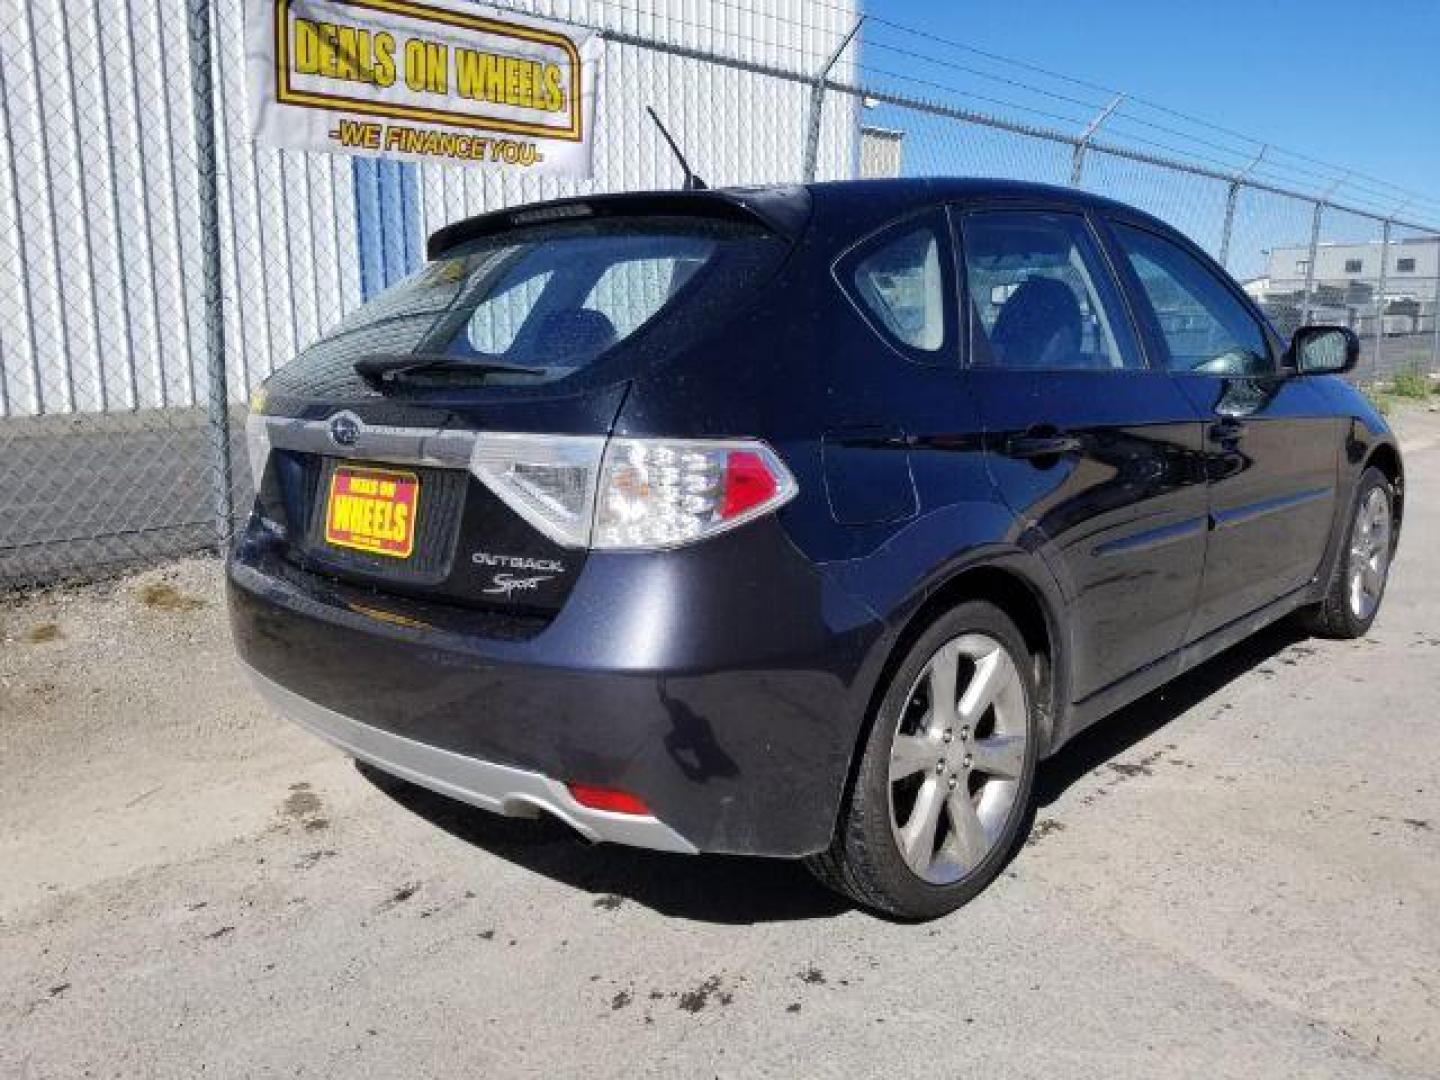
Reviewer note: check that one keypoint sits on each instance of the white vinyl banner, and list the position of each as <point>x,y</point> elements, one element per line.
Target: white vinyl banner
<point>435,81</point>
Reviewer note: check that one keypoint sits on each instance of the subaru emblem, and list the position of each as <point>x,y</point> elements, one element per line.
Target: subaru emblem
<point>344,429</point>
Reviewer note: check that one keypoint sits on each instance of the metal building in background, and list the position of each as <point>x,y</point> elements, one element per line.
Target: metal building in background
<point>881,152</point>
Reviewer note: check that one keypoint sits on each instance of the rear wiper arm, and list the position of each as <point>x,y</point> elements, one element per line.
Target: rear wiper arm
<point>390,368</point>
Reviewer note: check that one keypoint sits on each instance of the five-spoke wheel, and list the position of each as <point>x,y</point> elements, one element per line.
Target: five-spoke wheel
<point>1370,546</point>
<point>1352,597</point>
<point>956,757</point>
<point>942,789</point>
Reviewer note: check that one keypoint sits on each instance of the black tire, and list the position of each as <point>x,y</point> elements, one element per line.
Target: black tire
<point>864,861</point>
<point>1335,616</point>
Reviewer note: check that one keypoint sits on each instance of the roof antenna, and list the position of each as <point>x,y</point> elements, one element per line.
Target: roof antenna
<point>692,182</point>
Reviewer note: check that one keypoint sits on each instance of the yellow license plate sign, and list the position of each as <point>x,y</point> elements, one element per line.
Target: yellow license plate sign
<point>372,510</point>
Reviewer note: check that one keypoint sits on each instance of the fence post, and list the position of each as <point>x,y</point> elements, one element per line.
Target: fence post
<point>1231,197</point>
<point>217,400</point>
<point>1380,297</point>
<point>817,103</point>
<point>1435,313</point>
<point>1310,263</point>
<point>1077,158</point>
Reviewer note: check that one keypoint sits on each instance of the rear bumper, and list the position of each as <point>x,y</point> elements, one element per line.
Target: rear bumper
<point>725,685</point>
<point>498,788</point>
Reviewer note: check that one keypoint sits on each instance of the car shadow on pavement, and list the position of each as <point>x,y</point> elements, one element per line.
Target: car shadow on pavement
<point>711,888</point>
<point>732,890</point>
<point>1118,732</point>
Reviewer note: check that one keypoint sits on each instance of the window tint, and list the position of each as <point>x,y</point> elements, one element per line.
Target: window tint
<point>546,301</point>
<point>498,317</point>
<point>1205,327</point>
<point>902,284</point>
<point>557,304</point>
<point>1354,266</point>
<point>628,293</point>
<point>1405,266</point>
<point>1040,295</point>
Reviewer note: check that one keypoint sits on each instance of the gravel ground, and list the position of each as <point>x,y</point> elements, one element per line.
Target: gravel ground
<point>1239,876</point>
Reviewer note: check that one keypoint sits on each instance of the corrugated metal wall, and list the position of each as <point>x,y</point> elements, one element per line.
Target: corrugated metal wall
<point>99,245</point>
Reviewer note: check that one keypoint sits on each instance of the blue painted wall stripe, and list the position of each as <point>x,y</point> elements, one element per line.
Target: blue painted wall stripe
<point>387,222</point>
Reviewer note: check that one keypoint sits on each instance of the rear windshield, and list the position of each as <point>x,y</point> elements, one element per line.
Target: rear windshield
<point>552,299</point>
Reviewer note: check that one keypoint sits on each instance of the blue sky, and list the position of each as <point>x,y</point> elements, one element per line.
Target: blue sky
<point>1353,83</point>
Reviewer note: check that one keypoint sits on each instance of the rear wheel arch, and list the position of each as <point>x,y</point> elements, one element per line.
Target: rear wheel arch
<point>1386,458</point>
<point>1022,599</point>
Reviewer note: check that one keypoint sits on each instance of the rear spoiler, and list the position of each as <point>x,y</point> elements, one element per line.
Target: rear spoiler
<point>782,210</point>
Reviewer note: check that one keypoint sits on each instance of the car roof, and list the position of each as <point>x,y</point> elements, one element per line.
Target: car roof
<point>842,208</point>
<point>885,199</point>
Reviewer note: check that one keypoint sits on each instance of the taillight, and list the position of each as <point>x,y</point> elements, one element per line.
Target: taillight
<point>631,494</point>
<point>257,436</point>
<point>657,493</point>
<point>549,480</point>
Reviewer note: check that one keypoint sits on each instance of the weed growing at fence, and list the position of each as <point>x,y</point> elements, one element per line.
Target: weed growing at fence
<point>1411,382</point>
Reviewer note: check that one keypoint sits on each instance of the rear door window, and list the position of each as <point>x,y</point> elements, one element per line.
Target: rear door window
<point>901,282</point>
<point>1041,295</point>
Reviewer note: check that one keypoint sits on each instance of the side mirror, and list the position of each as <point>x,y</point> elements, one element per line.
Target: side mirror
<point>1324,350</point>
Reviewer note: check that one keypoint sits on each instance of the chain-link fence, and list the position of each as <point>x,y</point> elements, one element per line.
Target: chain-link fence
<point>156,265</point>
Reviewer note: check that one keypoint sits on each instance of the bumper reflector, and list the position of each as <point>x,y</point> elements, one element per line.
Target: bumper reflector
<point>609,799</point>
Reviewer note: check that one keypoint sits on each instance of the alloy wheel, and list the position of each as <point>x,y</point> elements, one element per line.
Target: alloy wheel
<point>1369,554</point>
<point>957,756</point>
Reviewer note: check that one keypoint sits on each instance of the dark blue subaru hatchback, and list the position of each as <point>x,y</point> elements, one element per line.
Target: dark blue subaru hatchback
<point>795,521</point>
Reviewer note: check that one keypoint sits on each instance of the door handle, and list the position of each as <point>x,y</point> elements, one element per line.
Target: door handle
<point>1227,432</point>
<point>1038,445</point>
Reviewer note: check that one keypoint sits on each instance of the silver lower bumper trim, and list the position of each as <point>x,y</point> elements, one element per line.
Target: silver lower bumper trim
<point>498,788</point>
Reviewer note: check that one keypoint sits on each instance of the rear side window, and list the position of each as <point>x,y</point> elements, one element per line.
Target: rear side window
<point>900,280</point>
<point>1041,296</point>
<point>537,304</point>
<point>1206,329</point>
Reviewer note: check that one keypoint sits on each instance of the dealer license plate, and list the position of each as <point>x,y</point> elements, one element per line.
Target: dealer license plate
<point>374,510</point>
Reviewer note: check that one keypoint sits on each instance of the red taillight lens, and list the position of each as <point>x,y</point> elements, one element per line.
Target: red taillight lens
<point>612,800</point>
<point>748,483</point>
<point>631,494</point>
<point>659,493</point>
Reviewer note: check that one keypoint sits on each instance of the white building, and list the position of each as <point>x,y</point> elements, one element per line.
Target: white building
<point>1411,266</point>
<point>100,243</point>
<point>1346,283</point>
<point>881,151</point>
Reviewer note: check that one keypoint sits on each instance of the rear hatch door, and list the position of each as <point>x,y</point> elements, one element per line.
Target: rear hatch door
<point>387,441</point>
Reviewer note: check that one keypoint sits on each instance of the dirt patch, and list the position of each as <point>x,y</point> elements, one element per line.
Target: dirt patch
<point>1043,828</point>
<point>301,803</point>
<point>400,896</point>
<point>162,596</point>
<point>695,1000</point>
<point>39,635</point>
